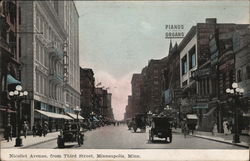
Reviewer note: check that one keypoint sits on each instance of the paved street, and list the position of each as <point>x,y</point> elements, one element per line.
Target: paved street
<point>119,137</point>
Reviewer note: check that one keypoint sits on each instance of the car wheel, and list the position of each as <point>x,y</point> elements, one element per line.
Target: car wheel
<point>60,142</point>
<point>170,139</point>
<point>135,128</point>
<point>152,137</point>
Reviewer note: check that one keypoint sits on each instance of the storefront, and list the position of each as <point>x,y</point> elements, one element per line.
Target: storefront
<point>54,120</point>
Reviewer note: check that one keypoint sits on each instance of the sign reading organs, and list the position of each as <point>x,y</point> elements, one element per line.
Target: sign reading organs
<point>174,31</point>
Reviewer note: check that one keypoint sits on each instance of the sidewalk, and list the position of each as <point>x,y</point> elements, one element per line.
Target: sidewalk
<point>220,137</point>
<point>28,141</point>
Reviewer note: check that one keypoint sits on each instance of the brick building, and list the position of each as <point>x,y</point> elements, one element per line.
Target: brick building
<point>87,87</point>
<point>136,84</point>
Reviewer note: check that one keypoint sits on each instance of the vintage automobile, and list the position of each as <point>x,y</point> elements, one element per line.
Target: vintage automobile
<point>139,121</point>
<point>161,128</point>
<point>192,120</point>
<point>72,132</point>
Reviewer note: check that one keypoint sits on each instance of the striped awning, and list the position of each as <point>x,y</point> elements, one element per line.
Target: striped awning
<point>12,80</point>
<point>74,116</point>
<point>54,115</point>
<point>200,106</point>
<point>192,116</point>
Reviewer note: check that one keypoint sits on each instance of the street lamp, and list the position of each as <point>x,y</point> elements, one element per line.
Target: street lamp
<point>77,111</point>
<point>18,95</point>
<point>235,93</point>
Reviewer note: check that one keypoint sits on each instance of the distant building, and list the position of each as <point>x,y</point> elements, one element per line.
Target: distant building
<point>87,87</point>
<point>136,83</point>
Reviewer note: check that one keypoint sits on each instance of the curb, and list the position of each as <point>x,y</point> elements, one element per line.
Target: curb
<point>38,143</point>
<point>244,146</point>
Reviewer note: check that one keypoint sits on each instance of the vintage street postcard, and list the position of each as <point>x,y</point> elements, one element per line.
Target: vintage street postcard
<point>124,80</point>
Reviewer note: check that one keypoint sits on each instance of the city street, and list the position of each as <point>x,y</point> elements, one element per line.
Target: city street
<point>119,137</point>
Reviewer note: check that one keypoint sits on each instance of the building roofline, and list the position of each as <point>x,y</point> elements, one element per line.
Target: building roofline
<point>74,4</point>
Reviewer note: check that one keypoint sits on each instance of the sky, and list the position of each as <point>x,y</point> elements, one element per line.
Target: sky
<point>118,38</point>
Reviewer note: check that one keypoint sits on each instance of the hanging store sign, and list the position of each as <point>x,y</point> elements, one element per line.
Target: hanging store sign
<point>201,72</point>
<point>200,106</point>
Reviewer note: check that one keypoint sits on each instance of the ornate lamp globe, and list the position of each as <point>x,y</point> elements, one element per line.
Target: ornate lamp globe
<point>235,85</point>
<point>19,87</point>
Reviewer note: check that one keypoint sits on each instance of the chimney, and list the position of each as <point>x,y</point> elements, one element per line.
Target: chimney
<point>211,20</point>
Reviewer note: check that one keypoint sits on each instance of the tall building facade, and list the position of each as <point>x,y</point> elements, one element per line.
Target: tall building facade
<point>136,84</point>
<point>10,54</point>
<point>50,57</point>
<point>87,85</point>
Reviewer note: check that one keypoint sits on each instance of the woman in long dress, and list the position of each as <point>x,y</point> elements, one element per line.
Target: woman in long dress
<point>225,127</point>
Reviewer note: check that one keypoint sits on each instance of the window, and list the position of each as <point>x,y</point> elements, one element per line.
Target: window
<point>208,86</point>
<point>239,77</point>
<point>37,51</point>
<point>184,64</point>
<point>40,84</point>
<point>37,82</point>
<point>19,14</point>
<point>248,71</point>
<point>192,57</point>
<point>42,55</point>
<point>20,45</point>
<point>37,21</point>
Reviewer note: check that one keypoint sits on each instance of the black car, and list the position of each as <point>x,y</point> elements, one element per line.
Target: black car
<point>161,128</point>
<point>72,132</point>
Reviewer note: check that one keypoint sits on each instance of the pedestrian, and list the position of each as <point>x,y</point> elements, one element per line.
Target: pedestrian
<point>34,130</point>
<point>226,127</point>
<point>25,129</point>
<point>186,131</point>
<point>214,129</point>
<point>9,132</point>
<point>45,129</point>
<point>39,129</point>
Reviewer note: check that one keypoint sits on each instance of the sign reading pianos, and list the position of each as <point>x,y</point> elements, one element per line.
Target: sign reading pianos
<point>174,31</point>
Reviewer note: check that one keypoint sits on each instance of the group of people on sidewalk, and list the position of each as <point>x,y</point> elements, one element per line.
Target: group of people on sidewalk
<point>40,129</point>
<point>9,131</point>
<point>186,127</point>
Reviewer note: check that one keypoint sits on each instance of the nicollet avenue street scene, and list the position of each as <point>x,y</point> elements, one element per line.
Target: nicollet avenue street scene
<point>124,74</point>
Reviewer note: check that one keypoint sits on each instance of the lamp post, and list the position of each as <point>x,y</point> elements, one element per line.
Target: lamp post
<point>235,92</point>
<point>18,95</point>
<point>77,111</point>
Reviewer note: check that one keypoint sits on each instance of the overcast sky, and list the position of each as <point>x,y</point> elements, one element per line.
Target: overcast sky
<point>118,38</point>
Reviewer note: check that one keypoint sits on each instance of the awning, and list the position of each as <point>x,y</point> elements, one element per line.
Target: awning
<point>192,116</point>
<point>74,116</point>
<point>2,108</point>
<point>54,115</point>
<point>12,80</point>
<point>210,111</point>
<point>246,114</point>
<point>200,106</point>
<point>95,119</point>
